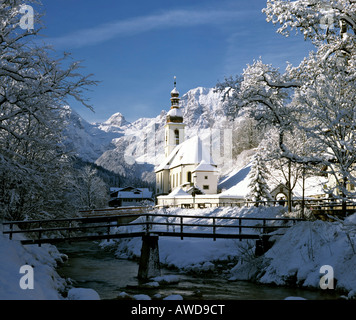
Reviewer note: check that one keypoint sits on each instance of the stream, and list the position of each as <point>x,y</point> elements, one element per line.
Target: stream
<point>90,266</point>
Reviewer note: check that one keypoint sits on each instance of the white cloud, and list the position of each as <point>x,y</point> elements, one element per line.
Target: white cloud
<point>173,18</point>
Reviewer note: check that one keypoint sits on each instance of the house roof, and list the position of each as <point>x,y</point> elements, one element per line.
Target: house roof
<point>191,151</point>
<point>130,192</point>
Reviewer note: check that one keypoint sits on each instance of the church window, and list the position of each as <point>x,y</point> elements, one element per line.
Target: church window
<point>206,177</point>
<point>176,135</point>
<point>189,176</point>
<point>205,187</point>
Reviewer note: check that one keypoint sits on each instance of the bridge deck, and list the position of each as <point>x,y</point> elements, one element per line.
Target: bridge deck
<point>143,226</point>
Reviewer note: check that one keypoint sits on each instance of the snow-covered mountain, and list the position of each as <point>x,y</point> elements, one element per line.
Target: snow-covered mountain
<point>86,140</point>
<point>133,149</point>
<point>114,124</point>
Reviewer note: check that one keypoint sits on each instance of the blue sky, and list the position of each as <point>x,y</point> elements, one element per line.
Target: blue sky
<point>136,47</point>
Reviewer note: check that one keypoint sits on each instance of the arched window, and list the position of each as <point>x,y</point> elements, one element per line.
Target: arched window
<point>176,135</point>
<point>189,176</point>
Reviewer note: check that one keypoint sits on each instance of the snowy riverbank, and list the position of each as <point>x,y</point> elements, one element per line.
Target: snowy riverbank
<point>295,258</point>
<point>47,284</point>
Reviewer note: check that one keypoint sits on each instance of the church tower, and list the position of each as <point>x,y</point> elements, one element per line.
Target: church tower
<point>174,128</point>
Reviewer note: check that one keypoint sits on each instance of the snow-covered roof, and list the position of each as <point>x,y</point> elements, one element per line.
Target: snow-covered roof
<point>175,112</point>
<point>131,192</point>
<point>178,192</point>
<point>174,91</point>
<point>236,183</point>
<point>191,151</point>
<point>202,196</point>
<point>204,166</point>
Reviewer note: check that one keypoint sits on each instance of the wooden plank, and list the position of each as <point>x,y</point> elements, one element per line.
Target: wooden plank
<point>82,238</point>
<point>206,235</point>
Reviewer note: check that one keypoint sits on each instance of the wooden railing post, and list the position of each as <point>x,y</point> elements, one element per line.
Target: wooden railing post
<point>240,228</point>
<point>108,228</point>
<point>39,234</point>
<point>264,226</point>
<point>11,226</point>
<point>181,228</point>
<point>70,225</point>
<point>147,225</point>
<point>214,229</point>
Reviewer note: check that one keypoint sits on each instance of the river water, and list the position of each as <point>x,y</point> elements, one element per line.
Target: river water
<point>90,266</point>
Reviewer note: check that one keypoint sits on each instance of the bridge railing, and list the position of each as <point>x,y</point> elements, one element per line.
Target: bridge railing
<point>214,227</point>
<point>225,224</point>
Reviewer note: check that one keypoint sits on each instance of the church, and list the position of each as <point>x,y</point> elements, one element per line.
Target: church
<point>188,176</point>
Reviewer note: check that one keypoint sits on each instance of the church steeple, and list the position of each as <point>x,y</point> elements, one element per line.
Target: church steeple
<point>175,114</point>
<point>174,129</point>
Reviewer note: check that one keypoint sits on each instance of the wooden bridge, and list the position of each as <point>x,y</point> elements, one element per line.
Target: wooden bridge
<point>149,226</point>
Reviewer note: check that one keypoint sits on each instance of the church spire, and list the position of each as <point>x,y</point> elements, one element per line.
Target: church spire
<point>175,114</point>
<point>174,128</point>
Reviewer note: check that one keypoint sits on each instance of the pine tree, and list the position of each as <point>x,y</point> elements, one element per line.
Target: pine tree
<point>258,187</point>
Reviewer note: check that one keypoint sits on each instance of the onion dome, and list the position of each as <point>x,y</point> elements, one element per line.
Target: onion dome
<point>175,114</point>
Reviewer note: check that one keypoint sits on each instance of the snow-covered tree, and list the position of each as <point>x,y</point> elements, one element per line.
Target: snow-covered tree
<point>258,187</point>
<point>33,89</point>
<point>318,96</point>
<point>326,23</point>
<point>245,136</point>
<point>284,170</point>
<point>90,190</point>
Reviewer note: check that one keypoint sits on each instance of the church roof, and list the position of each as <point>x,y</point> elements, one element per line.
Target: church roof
<point>205,167</point>
<point>191,151</point>
<point>178,192</point>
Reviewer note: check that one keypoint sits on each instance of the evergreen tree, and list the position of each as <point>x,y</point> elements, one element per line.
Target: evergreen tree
<point>258,187</point>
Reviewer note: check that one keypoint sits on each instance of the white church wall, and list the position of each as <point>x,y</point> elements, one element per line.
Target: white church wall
<point>206,182</point>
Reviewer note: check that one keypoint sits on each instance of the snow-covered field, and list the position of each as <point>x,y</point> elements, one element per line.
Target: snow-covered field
<point>295,258</point>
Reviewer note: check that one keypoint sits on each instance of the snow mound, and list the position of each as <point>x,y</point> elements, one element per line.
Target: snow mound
<point>141,297</point>
<point>82,294</point>
<point>173,297</point>
<point>298,255</point>
<point>43,260</point>
<point>167,279</point>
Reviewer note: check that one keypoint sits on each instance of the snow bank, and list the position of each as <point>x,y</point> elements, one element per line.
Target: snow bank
<point>297,256</point>
<point>82,294</point>
<point>47,284</point>
<point>174,297</point>
<point>43,260</point>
